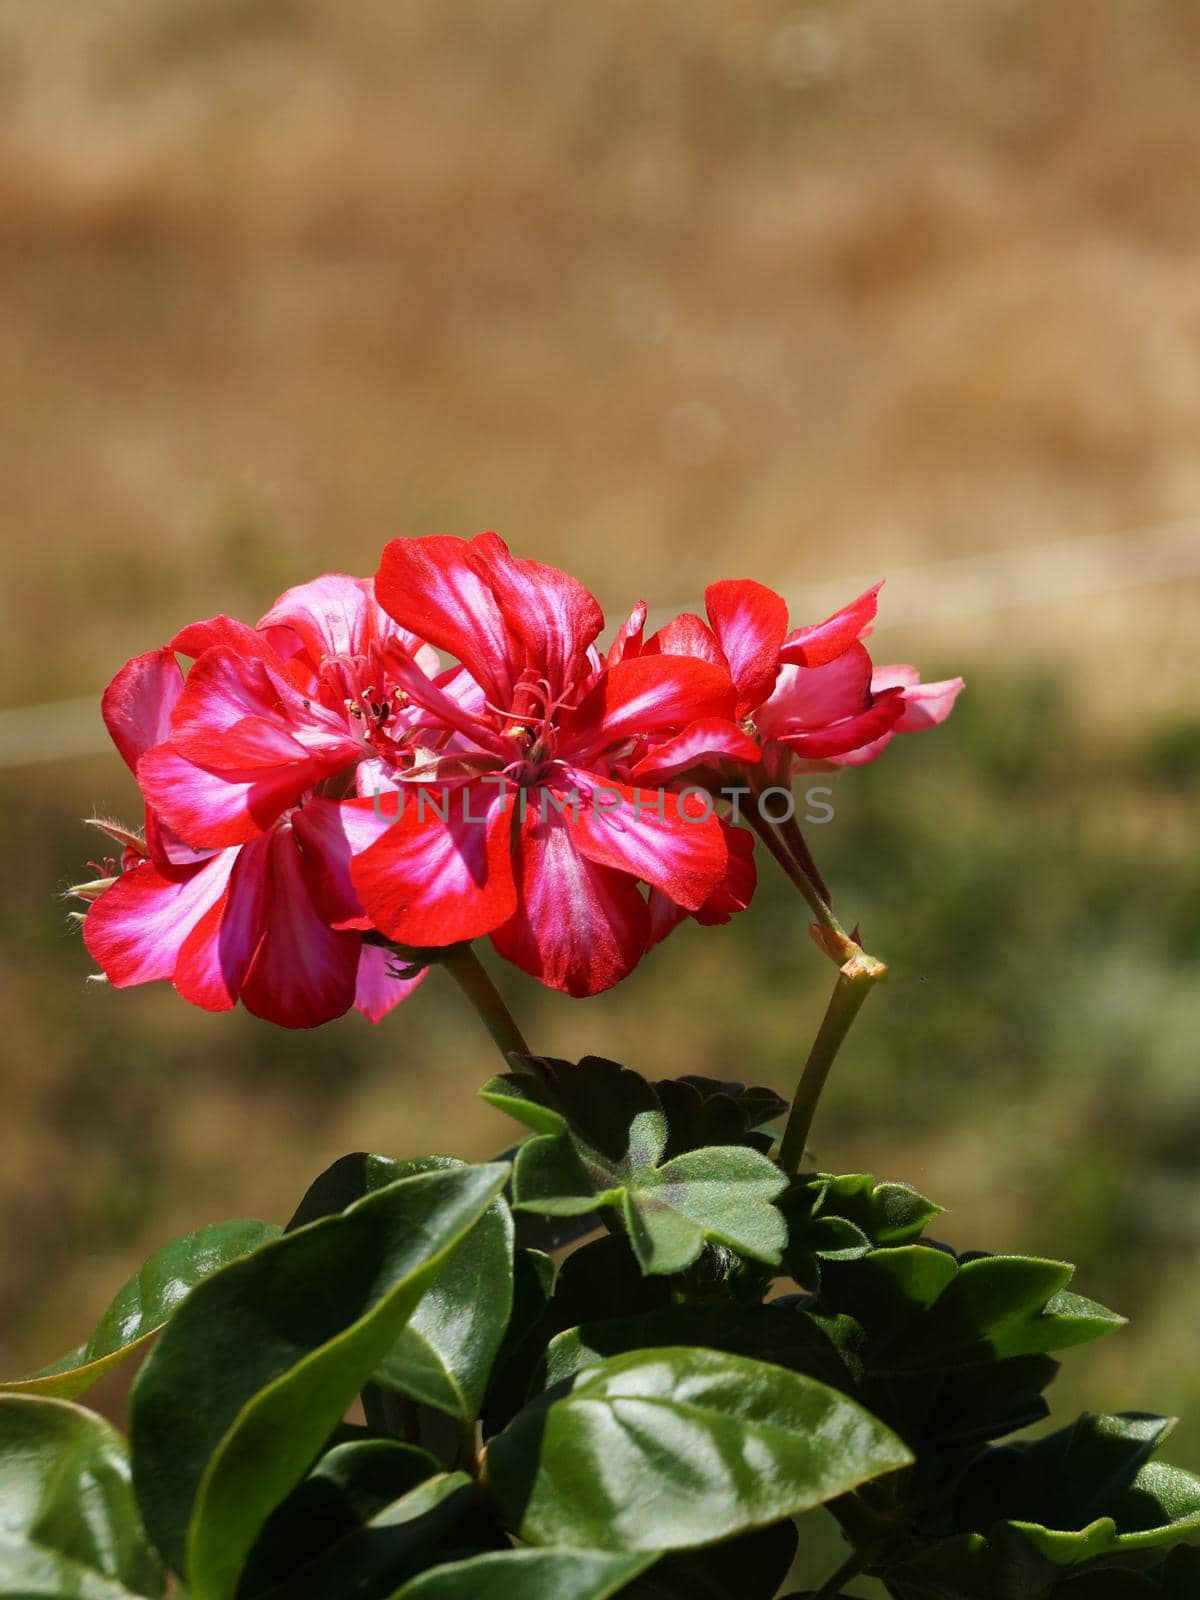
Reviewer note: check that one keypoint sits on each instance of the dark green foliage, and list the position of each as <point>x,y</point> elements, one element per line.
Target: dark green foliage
<point>644,1417</point>
<point>607,1140</point>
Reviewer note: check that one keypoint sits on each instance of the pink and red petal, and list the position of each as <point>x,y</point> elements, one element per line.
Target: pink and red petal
<point>809,698</point>
<point>551,617</point>
<point>432,587</point>
<point>704,744</point>
<point>217,953</point>
<point>332,615</point>
<point>331,834</point>
<point>303,972</point>
<point>434,880</point>
<point>377,988</point>
<point>212,810</point>
<point>750,622</point>
<point>651,694</point>
<point>138,703</point>
<point>673,843</point>
<point>840,738</point>
<point>136,928</point>
<point>579,927</point>
<point>813,647</point>
<point>224,690</point>
<point>925,704</point>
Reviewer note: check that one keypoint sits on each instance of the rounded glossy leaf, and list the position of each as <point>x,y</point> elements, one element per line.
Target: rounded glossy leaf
<point>680,1447</point>
<point>143,1304</point>
<point>258,1366</point>
<point>751,1567</point>
<point>445,1352</point>
<point>329,1514</point>
<point>527,1575</point>
<point>366,1561</point>
<point>67,1512</point>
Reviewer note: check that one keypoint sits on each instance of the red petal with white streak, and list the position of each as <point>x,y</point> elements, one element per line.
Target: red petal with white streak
<point>136,928</point>
<point>208,809</point>
<point>813,647</point>
<point>432,587</point>
<point>431,882</point>
<point>303,973</point>
<point>672,842</point>
<point>228,634</point>
<point>750,622</point>
<point>580,927</point>
<point>550,615</point>
<point>137,704</point>
<point>216,955</point>
<point>654,693</point>
<point>704,743</point>
<point>225,690</point>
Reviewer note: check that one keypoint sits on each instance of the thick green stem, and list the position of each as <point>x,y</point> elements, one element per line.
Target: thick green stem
<point>854,983</point>
<point>465,967</point>
<point>857,971</point>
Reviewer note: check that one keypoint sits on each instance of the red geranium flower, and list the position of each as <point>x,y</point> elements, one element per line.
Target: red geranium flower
<point>527,824</point>
<point>807,699</point>
<point>241,888</point>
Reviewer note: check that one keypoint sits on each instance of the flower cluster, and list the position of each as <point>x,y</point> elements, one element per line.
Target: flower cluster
<point>444,753</point>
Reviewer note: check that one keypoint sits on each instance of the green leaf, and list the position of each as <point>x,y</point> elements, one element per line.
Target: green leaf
<point>841,1218</point>
<point>351,1484</point>
<point>765,1333</point>
<point>340,1185</point>
<point>343,1536</point>
<point>747,1568</point>
<point>533,1280</point>
<point>69,1526</point>
<point>1086,1491</point>
<point>1002,1306</point>
<point>922,1311</point>
<point>445,1352</point>
<point>706,1111</point>
<point>715,1444</point>
<point>602,1136</point>
<point>1083,1511</point>
<point>143,1304</point>
<point>527,1575</point>
<point>257,1367</point>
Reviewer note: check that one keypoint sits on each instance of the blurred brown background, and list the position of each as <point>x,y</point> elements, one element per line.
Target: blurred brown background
<point>663,292</point>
